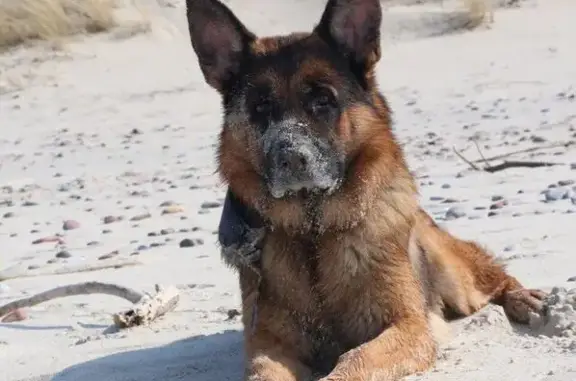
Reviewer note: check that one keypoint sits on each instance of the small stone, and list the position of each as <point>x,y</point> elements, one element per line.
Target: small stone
<point>48,239</point>
<point>498,205</point>
<point>63,254</point>
<point>446,186</point>
<point>187,242</point>
<point>93,243</point>
<point>572,279</point>
<point>554,194</point>
<point>70,225</point>
<point>33,267</point>
<point>141,217</point>
<point>210,205</point>
<point>142,248</point>
<point>492,214</point>
<point>109,255</point>
<point>436,198</point>
<point>14,316</point>
<point>156,244</point>
<point>167,203</point>
<point>111,219</point>
<point>497,198</point>
<point>173,209</point>
<point>29,203</point>
<point>564,183</point>
<point>8,215</point>
<point>573,166</point>
<point>449,200</point>
<point>167,231</point>
<point>233,313</point>
<point>455,212</point>
<point>152,234</point>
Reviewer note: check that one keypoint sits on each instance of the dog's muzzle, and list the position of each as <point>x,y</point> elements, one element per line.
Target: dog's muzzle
<point>297,161</point>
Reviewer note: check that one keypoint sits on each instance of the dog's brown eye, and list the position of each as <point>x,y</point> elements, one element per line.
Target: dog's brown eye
<point>321,100</point>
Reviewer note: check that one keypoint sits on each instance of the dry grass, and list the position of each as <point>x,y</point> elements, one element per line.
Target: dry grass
<point>24,20</point>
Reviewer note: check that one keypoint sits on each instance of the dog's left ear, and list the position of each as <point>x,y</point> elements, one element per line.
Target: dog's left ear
<point>219,39</point>
<point>353,28</point>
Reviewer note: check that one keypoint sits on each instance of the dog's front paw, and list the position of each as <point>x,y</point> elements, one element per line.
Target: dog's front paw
<point>520,303</point>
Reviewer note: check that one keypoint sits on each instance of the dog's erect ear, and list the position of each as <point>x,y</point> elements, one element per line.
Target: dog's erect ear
<point>353,27</point>
<point>219,39</point>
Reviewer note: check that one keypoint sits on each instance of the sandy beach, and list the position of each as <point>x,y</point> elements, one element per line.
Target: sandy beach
<point>107,156</point>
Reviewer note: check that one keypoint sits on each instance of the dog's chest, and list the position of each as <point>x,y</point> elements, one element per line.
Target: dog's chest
<point>328,290</point>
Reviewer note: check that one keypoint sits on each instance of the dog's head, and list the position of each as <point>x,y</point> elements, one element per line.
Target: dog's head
<point>303,122</point>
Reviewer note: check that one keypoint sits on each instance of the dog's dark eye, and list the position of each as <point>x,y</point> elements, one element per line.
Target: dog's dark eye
<point>320,100</point>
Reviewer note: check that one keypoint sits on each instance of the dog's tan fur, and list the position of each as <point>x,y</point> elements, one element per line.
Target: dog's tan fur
<point>361,292</point>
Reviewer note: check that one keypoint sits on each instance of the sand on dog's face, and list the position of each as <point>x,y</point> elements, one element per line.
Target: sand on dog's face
<point>117,128</point>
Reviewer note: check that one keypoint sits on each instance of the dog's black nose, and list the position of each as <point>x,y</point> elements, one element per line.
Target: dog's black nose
<point>292,159</point>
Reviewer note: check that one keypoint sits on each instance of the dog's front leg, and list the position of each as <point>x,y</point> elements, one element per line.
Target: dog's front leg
<point>269,361</point>
<point>406,347</point>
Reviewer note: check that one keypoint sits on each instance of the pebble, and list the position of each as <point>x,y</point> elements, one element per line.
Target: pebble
<point>142,248</point>
<point>455,212</point>
<point>63,254</point>
<point>573,166</point>
<point>492,214</point>
<point>571,279</point>
<point>210,205</point>
<point>8,215</point>
<point>48,239</point>
<point>70,225</point>
<point>29,203</point>
<point>564,183</point>
<point>554,194</point>
<point>109,255</point>
<point>111,219</point>
<point>141,217</point>
<point>167,231</point>
<point>446,186</point>
<point>187,242</point>
<point>498,205</point>
<point>172,209</point>
<point>497,198</point>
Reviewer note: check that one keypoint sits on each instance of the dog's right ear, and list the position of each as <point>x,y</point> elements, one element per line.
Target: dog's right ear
<point>219,39</point>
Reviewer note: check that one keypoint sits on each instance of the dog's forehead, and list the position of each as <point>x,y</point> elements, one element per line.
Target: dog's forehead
<point>291,60</point>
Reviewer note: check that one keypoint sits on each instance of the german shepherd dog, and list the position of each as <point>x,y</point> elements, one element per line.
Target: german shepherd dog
<point>353,280</point>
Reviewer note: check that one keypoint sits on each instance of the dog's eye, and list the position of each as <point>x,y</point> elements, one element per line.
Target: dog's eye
<point>321,100</point>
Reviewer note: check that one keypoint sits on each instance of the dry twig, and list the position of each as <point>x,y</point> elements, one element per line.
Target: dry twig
<point>146,307</point>
<point>502,166</point>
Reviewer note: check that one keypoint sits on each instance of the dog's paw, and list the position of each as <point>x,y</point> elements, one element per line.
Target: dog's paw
<point>520,303</point>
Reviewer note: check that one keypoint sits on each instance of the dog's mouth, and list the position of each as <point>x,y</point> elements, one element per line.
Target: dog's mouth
<point>313,188</point>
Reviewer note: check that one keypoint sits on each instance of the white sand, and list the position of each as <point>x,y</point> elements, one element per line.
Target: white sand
<point>66,118</point>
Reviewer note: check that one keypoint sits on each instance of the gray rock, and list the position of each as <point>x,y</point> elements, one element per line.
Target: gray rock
<point>63,254</point>
<point>554,194</point>
<point>455,212</point>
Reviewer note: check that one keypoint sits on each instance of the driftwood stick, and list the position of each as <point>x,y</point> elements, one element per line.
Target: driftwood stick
<point>527,150</point>
<point>19,272</point>
<point>504,165</point>
<point>480,153</point>
<point>518,164</point>
<point>86,288</point>
<point>471,164</point>
<point>149,308</point>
